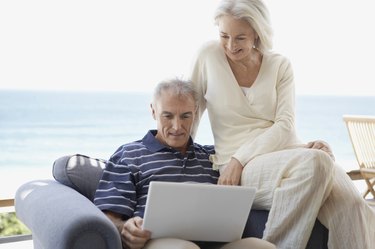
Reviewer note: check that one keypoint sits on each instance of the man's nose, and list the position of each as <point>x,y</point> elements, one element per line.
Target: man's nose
<point>177,124</point>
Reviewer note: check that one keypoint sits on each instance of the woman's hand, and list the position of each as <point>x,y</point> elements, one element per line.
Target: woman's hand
<point>132,235</point>
<point>321,145</point>
<point>231,175</point>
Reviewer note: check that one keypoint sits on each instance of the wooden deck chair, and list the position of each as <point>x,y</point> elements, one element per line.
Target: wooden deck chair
<point>362,136</point>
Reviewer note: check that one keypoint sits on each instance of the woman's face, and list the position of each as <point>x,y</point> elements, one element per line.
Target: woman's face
<point>237,37</point>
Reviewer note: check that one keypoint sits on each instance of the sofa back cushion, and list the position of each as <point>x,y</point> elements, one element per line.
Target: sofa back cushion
<point>79,172</point>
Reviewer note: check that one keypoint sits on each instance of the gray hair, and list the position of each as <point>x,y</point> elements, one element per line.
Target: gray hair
<point>255,13</point>
<point>179,87</point>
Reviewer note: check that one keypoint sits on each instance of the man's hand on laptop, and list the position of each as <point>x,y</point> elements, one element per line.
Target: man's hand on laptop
<point>132,235</point>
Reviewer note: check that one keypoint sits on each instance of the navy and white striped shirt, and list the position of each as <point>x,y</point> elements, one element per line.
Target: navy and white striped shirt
<point>124,185</point>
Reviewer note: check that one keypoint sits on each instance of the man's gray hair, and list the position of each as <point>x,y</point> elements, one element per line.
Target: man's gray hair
<point>179,87</point>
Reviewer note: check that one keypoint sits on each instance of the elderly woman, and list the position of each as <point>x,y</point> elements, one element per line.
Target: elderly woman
<point>248,91</point>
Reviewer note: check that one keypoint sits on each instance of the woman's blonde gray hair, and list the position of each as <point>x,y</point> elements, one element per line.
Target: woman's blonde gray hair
<point>255,13</point>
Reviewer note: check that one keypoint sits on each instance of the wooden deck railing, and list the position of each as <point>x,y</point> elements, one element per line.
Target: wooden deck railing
<point>7,203</point>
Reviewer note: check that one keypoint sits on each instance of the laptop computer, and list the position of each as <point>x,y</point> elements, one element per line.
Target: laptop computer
<point>197,211</point>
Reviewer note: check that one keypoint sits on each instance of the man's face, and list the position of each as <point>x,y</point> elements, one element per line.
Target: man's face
<point>174,116</point>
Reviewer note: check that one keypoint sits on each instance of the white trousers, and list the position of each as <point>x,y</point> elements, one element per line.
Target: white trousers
<point>300,185</point>
<point>171,243</point>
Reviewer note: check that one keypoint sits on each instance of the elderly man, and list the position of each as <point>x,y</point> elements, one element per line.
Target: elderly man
<point>165,154</point>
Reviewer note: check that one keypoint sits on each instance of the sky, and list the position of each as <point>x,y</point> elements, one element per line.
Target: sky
<point>120,45</point>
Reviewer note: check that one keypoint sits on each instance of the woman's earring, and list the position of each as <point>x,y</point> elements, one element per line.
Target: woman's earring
<point>255,43</point>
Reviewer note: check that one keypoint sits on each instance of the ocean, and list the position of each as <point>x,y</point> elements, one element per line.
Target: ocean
<point>37,127</point>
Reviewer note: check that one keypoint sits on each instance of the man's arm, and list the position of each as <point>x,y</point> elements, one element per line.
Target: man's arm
<point>132,235</point>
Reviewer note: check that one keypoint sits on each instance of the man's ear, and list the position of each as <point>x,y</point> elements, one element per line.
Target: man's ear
<point>153,111</point>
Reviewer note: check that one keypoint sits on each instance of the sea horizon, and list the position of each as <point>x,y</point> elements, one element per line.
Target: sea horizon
<point>37,127</point>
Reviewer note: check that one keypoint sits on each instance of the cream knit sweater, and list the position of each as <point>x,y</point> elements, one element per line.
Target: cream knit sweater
<point>245,126</point>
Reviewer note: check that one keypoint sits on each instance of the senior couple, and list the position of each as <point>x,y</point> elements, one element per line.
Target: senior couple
<point>248,91</point>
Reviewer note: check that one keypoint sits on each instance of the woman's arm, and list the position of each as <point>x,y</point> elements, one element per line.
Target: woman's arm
<point>198,79</point>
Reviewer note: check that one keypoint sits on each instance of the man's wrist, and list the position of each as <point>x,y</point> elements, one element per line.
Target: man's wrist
<point>117,220</point>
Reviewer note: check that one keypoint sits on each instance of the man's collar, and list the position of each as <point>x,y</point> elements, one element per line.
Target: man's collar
<point>154,145</point>
<point>151,142</point>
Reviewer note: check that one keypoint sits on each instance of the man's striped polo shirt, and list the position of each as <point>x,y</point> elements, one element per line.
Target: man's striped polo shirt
<point>124,185</point>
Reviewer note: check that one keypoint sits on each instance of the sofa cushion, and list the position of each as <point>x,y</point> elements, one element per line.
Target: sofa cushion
<point>79,172</point>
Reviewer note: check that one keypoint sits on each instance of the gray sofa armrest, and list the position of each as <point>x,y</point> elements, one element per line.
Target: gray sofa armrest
<point>61,218</point>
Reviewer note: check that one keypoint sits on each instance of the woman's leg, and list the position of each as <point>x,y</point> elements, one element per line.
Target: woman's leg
<point>170,243</point>
<point>292,184</point>
<point>349,219</point>
<point>249,243</point>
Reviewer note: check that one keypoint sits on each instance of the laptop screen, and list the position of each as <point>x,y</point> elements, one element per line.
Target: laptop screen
<point>198,212</point>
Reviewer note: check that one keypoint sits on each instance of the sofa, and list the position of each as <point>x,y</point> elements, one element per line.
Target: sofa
<point>61,215</point>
